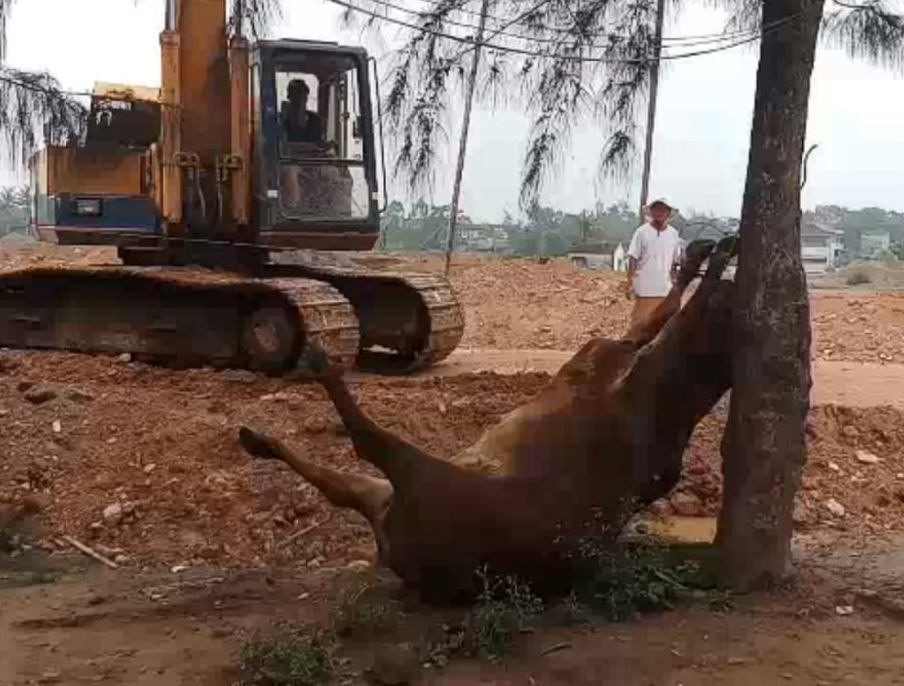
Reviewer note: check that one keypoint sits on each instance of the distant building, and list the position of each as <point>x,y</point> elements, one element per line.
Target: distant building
<point>821,248</point>
<point>483,238</point>
<point>604,255</point>
<point>873,243</point>
<point>620,259</point>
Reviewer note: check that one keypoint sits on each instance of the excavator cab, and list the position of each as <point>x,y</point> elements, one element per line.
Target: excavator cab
<point>314,170</point>
<point>310,178</point>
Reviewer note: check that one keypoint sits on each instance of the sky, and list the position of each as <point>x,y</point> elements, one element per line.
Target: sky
<point>702,126</point>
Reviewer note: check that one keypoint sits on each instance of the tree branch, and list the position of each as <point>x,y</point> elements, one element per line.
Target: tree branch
<point>34,107</point>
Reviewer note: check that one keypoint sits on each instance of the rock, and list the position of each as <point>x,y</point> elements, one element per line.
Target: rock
<point>7,365</point>
<point>850,431</point>
<point>844,610</point>
<point>834,507</point>
<point>243,376</point>
<point>121,559</point>
<point>686,504</point>
<point>394,665</point>
<point>113,514</point>
<point>23,386</point>
<point>864,457</point>
<point>148,468</point>
<point>57,426</point>
<point>660,508</point>
<point>358,566</point>
<point>834,467</point>
<point>38,395</point>
<point>802,514</point>
<point>125,358</point>
<point>78,395</point>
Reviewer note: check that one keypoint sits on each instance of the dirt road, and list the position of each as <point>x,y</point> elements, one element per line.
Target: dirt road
<point>853,384</point>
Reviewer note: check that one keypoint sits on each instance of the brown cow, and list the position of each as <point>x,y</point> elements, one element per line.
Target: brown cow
<point>601,441</point>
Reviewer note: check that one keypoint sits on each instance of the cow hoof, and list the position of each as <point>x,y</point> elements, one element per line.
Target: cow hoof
<point>698,250</point>
<point>257,444</point>
<point>314,360</point>
<point>729,245</point>
<point>694,255</point>
<point>721,256</point>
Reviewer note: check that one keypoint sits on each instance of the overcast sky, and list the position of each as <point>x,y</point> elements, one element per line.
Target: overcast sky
<point>702,129</point>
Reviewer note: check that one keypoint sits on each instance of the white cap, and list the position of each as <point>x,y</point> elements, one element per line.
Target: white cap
<point>660,200</point>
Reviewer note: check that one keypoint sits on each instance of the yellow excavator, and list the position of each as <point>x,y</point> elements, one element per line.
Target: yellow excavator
<point>221,191</point>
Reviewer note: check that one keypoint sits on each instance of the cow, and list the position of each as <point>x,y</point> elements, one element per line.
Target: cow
<point>604,439</point>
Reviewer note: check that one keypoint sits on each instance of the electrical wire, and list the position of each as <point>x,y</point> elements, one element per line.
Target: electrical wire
<point>683,41</point>
<point>567,58</point>
<point>769,28</point>
<point>570,31</point>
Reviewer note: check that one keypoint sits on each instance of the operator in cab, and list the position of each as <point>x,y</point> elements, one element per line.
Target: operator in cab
<point>299,123</point>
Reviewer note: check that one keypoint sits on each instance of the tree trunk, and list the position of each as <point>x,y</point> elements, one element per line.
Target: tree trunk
<point>764,448</point>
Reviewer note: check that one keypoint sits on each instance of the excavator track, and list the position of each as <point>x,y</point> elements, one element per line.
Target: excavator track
<point>177,317</point>
<point>409,321</point>
<point>388,323</point>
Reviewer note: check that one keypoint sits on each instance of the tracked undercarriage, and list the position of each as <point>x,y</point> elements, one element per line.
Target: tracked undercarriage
<point>260,320</point>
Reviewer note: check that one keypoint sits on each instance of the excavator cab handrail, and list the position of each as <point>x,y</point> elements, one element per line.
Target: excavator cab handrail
<point>383,182</point>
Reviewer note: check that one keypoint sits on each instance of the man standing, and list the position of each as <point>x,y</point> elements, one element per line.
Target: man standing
<point>654,252</point>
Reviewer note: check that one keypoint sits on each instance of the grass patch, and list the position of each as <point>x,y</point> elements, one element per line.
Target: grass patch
<point>504,608</point>
<point>10,540</point>
<point>621,582</point>
<point>363,609</point>
<point>291,660</point>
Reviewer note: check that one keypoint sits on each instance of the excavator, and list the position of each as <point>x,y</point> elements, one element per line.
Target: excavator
<point>225,192</point>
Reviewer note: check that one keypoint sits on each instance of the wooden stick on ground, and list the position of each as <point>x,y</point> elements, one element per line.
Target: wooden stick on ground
<point>78,545</point>
<point>299,534</point>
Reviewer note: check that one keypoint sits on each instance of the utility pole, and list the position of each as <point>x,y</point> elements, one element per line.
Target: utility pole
<point>463,140</point>
<point>651,111</point>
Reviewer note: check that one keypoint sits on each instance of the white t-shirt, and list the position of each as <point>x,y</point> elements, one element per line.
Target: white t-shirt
<point>656,252</point>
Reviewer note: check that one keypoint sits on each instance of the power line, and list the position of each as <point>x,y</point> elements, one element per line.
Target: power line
<point>567,58</point>
<point>570,31</point>
<point>684,41</point>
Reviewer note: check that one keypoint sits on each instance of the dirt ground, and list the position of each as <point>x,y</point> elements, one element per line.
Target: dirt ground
<point>142,465</point>
<point>104,627</point>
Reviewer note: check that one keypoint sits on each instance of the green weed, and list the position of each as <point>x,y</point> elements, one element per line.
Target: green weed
<point>291,660</point>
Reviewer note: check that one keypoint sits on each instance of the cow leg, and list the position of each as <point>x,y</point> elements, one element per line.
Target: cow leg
<point>367,494</point>
<point>391,454</point>
<point>674,381</point>
<point>646,330</point>
<point>681,327</point>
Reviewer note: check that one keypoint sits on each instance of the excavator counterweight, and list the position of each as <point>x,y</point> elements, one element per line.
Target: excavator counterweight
<point>209,187</point>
